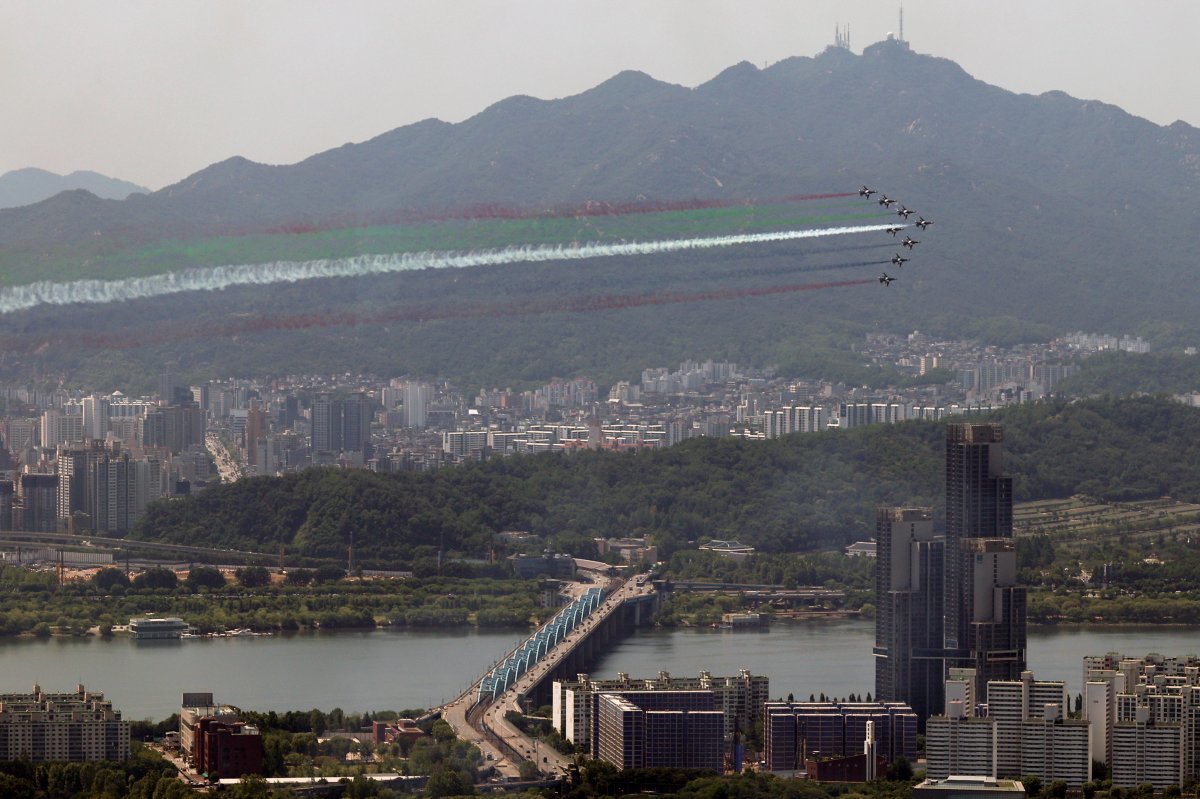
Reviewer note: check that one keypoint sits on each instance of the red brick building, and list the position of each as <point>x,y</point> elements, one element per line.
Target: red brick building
<point>227,749</point>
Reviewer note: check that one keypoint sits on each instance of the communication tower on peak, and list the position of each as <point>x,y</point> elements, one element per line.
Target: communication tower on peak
<point>902,22</point>
<point>841,37</point>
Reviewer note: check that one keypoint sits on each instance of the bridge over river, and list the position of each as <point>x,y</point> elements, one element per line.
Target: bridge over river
<point>599,611</point>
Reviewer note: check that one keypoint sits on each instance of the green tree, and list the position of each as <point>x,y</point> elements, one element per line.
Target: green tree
<point>156,577</point>
<point>108,577</point>
<point>204,577</point>
<point>253,576</point>
<point>445,781</point>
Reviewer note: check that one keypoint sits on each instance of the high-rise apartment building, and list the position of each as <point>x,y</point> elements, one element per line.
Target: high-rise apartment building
<point>796,732</point>
<point>1022,729</point>
<point>659,729</point>
<point>975,619</point>
<point>960,743</point>
<point>73,489</point>
<point>356,422</point>
<point>740,698</point>
<point>1136,706</point>
<point>1146,750</point>
<point>39,503</point>
<point>417,397</point>
<point>908,602</point>
<point>984,607</point>
<point>326,424</point>
<point>7,494</point>
<point>1013,702</point>
<point>55,727</point>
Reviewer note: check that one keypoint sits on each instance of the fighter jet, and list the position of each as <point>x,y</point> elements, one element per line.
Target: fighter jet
<point>909,242</point>
<point>886,279</point>
<point>899,260</point>
<point>894,230</point>
<point>902,211</point>
<point>866,192</point>
<point>923,223</point>
<point>886,201</point>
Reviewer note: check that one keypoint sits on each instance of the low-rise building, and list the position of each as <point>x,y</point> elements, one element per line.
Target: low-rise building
<point>630,550</point>
<point>225,749</point>
<point>529,567</point>
<point>734,550</point>
<point>966,787</point>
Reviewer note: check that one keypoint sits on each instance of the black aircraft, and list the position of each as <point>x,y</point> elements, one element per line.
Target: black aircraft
<point>899,260</point>
<point>902,211</point>
<point>866,192</point>
<point>886,279</point>
<point>909,242</point>
<point>923,223</point>
<point>886,201</point>
<point>894,230</point>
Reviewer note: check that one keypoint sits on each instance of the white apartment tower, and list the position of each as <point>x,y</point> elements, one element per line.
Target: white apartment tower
<point>960,744</point>
<point>1147,751</point>
<point>417,397</point>
<point>1013,702</point>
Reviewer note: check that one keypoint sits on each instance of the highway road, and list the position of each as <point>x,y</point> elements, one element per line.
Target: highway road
<point>229,469</point>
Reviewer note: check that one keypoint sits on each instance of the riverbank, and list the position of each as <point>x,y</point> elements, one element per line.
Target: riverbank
<point>34,604</point>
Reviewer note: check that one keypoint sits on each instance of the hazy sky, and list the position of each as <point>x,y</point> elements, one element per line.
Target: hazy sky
<point>153,90</point>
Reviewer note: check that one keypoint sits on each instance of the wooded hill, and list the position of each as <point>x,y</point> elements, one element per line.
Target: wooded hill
<point>798,493</point>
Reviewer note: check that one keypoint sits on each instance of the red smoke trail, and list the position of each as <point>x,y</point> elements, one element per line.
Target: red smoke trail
<point>269,324</point>
<point>601,302</point>
<point>489,211</point>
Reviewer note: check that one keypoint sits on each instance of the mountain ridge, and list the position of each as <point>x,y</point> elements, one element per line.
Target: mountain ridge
<point>1053,213</point>
<point>32,185</point>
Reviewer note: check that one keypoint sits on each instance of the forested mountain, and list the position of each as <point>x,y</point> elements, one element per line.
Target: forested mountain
<point>28,186</point>
<point>797,493</point>
<point>1052,214</point>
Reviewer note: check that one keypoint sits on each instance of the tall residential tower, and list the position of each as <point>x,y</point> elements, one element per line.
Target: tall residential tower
<point>908,610</point>
<point>950,601</point>
<point>984,606</point>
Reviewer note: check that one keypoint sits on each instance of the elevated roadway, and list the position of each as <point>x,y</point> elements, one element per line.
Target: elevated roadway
<point>89,541</point>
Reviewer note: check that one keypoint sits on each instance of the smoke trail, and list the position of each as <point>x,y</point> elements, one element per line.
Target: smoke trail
<point>420,314</point>
<point>802,268</point>
<point>18,298</point>
<point>589,209</point>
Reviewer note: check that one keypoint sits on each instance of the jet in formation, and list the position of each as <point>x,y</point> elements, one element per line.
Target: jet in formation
<point>894,230</point>
<point>866,192</point>
<point>886,201</point>
<point>923,223</point>
<point>904,212</point>
<point>899,260</point>
<point>909,242</point>
<point>886,279</point>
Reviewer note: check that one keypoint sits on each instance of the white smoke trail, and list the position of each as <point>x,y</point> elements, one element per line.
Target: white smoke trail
<point>19,298</point>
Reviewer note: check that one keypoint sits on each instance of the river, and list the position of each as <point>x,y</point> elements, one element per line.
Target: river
<point>397,669</point>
